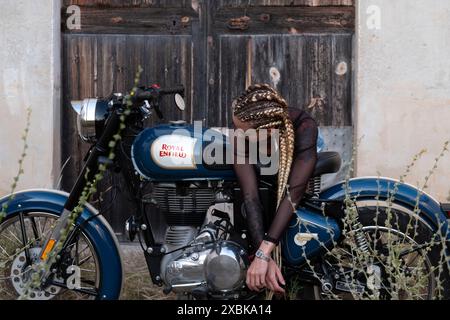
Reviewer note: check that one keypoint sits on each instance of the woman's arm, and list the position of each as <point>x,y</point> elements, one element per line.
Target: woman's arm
<point>262,273</point>
<point>246,176</point>
<point>253,208</point>
<point>301,171</point>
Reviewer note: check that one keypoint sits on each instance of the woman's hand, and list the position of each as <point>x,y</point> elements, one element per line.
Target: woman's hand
<point>256,274</point>
<point>274,277</point>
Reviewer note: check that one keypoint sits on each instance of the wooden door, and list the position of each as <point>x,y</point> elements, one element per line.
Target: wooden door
<point>215,48</point>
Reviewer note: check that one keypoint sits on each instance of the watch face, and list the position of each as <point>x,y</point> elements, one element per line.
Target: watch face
<point>260,254</point>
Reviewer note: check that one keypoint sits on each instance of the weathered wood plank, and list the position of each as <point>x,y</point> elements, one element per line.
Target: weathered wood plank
<point>318,78</point>
<point>226,20</point>
<point>286,20</point>
<point>233,62</point>
<point>278,60</point>
<point>294,74</point>
<point>211,67</point>
<point>341,95</point>
<point>71,146</point>
<point>285,3</point>
<point>186,3</point>
<point>272,60</point>
<point>133,21</point>
<point>128,3</point>
<point>199,65</point>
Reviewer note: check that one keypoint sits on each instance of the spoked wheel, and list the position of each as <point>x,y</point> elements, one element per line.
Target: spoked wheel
<point>402,263</point>
<point>76,277</point>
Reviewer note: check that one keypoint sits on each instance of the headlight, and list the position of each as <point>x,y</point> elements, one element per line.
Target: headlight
<point>92,114</point>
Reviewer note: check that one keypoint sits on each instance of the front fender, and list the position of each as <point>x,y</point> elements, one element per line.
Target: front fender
<point>370,187</point>
<point>94,226</point>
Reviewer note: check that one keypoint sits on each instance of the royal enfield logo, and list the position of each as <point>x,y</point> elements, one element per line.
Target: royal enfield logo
<point>170,150</point>
<point>174,152</point>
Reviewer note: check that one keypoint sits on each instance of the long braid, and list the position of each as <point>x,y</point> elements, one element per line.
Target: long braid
<point>289,145</point>
<point>263,105</point>
<point>265,108</point>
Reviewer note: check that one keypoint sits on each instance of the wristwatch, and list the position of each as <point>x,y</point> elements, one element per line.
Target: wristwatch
<point>260,254</point>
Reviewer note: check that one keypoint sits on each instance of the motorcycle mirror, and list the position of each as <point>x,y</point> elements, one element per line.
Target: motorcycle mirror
<point>76,105</point>
<point>179,101</point>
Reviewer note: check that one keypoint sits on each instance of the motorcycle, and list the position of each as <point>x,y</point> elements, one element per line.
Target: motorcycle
<point>205,250</point>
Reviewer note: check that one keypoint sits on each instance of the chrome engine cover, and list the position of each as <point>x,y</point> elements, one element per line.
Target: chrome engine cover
<point>186,272</point>
<point>220,266</point>
<point>225,267</point>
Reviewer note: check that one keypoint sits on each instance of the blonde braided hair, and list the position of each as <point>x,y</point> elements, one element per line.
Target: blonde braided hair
<point>264,107</point>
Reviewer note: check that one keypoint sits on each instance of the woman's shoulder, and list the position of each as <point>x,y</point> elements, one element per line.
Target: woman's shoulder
<point>298,115</point>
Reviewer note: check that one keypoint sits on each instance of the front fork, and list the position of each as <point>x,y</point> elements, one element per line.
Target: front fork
<point>87,174</point>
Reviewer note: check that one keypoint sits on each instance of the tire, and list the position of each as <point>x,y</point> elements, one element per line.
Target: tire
<point>84,254</point>
<point>388,233</point>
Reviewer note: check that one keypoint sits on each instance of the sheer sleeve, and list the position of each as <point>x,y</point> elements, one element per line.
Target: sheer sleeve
<point>305,158</point>
<point>248,182</point>
<point>253,208</point>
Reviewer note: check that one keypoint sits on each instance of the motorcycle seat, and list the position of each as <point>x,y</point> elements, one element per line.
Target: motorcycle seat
<point>327,162</point>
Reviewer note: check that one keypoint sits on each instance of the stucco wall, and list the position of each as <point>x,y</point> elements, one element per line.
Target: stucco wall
<point>402,91</point>
<point>29,76</point>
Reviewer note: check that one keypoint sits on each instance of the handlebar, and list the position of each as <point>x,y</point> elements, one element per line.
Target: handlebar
<point>178,89</point>
<point>154,93</point>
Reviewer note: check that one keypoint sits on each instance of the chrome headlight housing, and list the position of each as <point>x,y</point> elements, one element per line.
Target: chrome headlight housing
<point>92,114</point>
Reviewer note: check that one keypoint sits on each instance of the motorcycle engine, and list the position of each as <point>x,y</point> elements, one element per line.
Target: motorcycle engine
<point>216,266</point>
<point>200,256</point>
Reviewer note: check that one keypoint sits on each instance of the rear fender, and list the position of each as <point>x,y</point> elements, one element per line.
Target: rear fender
<point>370,187</point>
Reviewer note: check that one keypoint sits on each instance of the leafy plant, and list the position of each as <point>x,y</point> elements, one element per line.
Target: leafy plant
<point>403,257</point>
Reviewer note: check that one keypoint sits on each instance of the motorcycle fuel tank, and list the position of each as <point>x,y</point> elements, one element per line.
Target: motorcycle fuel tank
<point>174,152</point>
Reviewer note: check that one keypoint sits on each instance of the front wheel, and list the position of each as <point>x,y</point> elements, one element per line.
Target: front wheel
<point>78,271</point>
<point>401,260</point>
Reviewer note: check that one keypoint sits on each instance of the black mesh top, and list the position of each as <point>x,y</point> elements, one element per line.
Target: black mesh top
<point>304,161</point>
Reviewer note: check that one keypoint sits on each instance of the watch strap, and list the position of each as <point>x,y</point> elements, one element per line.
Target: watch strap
<point>260,254</point>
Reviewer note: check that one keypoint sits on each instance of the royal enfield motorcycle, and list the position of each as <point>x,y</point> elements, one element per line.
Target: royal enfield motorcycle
<point>205,251</point>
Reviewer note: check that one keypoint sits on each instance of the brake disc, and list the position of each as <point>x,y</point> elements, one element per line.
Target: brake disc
<point>21,276</point>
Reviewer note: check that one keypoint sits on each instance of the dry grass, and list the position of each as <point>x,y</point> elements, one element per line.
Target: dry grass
<point>137,283</point>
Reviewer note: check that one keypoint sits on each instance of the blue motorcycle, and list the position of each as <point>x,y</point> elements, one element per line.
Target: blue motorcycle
<point>204,253</point>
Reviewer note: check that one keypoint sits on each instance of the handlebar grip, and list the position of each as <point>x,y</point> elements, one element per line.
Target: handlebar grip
<point>178,89</point>
<point>141,94</point>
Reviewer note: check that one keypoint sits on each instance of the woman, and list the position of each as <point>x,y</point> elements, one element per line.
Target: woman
<point>261,106</point>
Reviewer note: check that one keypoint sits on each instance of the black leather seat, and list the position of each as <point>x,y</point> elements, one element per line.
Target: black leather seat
<point>327,162</point>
